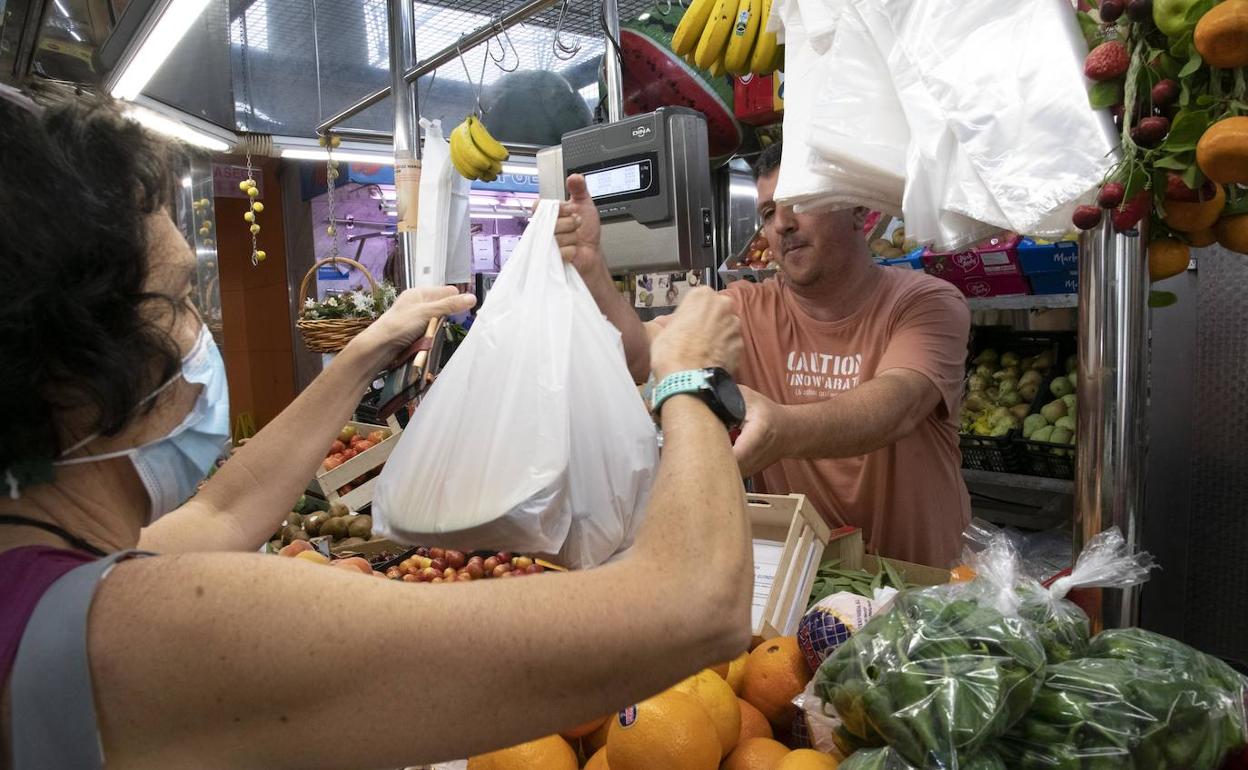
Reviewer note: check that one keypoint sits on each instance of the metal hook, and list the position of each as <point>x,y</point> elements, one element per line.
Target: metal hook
<point>459,51</point>
<point>563,51</point>
<point>499,60</point>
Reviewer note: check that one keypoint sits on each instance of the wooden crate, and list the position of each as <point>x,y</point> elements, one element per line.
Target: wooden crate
<point>789,526</point>
<point>327,483</point>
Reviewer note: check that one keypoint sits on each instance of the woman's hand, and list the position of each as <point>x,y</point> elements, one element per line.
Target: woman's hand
<point>406,321</point>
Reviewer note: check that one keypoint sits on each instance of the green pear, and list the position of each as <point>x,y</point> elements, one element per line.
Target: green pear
<point>1020,411</point>
<point>1033,423</point>
<point>1061,387</point>
<point>1030,376</point>
<point>1061,435</point>
<point>1009,359</point>
<point>1072,364</point>
<point>1009,398</point>
<point>986,356</point>
<point>1043,434</point>
<point>1029,391</point>
<point>1066,422</point>
<point>1053,411</point>
<point>1069,401</point>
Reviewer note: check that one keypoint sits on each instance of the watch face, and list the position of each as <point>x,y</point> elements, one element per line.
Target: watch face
<point>729,395</point>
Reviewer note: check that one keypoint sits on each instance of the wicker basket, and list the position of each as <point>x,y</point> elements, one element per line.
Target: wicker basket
<point>330,335</point>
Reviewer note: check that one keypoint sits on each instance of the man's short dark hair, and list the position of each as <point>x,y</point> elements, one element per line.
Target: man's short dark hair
<point>767,161</point>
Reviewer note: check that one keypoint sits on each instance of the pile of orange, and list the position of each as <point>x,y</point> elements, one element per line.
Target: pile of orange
<point>727,717</point>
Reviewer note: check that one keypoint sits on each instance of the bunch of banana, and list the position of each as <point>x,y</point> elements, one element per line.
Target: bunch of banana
<point>728,36</point>
<point>476,154</point>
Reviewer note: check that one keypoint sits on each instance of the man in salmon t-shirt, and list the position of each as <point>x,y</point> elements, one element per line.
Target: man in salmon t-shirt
<point>852,373</point>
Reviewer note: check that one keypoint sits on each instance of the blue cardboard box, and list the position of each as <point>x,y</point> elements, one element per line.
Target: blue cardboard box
<point>1065,282</point>
<point>1038,258</point>
<point>913,260</point>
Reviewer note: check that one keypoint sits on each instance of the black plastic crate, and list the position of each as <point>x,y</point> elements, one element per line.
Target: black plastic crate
<point>1003,454</point>
<point>998,454</point>
<point>1042,458</point>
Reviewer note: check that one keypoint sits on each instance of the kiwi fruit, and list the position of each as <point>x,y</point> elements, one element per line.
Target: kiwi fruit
<point>313,522</point>
<point>290,532</point>
<point>360,526</point>
<point>338,508</point>
<point>294,519</point>
<point>335,527</point>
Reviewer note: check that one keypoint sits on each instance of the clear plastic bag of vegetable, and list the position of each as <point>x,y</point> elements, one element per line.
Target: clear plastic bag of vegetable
<point>943,672</point>
<point>889,759</point>
<point>1145,702</point>
<point>1064,629</point>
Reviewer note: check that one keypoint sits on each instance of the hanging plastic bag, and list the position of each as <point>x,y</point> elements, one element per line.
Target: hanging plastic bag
<point>433,217</point>
<point>459,234</point>
<point>943,672</point>
<point>1141,701</point>
<point>889,759</point>
<point>533,438</point>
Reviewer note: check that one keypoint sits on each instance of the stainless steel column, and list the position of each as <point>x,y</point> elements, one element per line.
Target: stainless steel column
<point>1112,396</point>
<point>611,62</point>
<point>401,20</point>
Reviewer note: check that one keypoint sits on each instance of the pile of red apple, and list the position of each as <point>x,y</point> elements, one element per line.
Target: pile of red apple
<point>349,444</point>
<point>438,565</point>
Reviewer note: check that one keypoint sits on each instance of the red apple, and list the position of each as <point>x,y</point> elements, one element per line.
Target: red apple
<point>455,559</point>
<point>475,571</point>
<point>504,557</point>
<point>490,564</point>
<point>422,551</point>
<point>463,578</point>
<point>449,573</point>
<point>429,573</point>
<point>437,553</point>
<point>409,578</point>
<point>501,569</point>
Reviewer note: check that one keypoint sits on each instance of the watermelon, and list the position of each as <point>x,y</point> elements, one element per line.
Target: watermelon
<point>656,77</point>
<point>533,107</point>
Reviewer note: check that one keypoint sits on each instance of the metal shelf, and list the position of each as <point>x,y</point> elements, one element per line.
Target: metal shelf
<point>1027,302</point>
<point>1019,481</point>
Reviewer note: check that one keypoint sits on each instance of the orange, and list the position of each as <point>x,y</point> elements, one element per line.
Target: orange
<point>753,723</point>
<point>669,731</point>
<point>1190,217</point>
<point>1222,152</point>
<point>549,753</point>
<point>598,761</point>
<point>1221,35</point>
<point>775,674</point>
<point>808,759</point>
<point>598,738</point>
<point>1202,238</point>
<point>720,703</point>
<point>736,672</point>
<point>1167,257</point>
<point>580,731</point>
<point>1232,232</point>
<point>756,754</point>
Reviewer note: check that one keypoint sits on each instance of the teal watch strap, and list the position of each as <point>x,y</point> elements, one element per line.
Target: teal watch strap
<point>688,381</point>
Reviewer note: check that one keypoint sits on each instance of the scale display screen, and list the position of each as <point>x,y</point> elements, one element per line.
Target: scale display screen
<point>619,180</point>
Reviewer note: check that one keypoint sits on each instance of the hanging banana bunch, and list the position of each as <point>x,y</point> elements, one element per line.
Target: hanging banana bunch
<point>475,153</point>
<point>728,36</point>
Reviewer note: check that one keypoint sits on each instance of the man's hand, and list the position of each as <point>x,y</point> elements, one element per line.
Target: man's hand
<point>703,332</point>
<point>578,232</point>
<point>760,444</point>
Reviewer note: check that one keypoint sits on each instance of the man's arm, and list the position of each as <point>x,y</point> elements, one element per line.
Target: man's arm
<point>871,416</point>
<point>578,233</point>
<point>921,370</point>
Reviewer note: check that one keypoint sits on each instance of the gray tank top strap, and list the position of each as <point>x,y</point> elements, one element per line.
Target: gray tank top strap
<point>52,703</point>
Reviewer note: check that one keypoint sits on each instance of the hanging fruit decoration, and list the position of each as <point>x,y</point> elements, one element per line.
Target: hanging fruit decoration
<point>1174,74</point>
<point>249,186</point>
<point>202,210</point>
<point>330,143</point>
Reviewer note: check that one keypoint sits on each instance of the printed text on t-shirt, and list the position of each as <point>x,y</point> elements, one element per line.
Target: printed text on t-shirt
<point>814,374</point>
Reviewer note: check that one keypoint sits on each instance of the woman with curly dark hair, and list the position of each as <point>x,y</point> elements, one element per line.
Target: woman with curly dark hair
<point>113,403</point>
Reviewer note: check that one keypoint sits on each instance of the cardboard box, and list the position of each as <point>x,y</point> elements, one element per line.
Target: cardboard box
<point>758,100</point>
<point>1047,256</point>
<point>1065,282</point>
<point>992,286</point>
<point>994,257</point>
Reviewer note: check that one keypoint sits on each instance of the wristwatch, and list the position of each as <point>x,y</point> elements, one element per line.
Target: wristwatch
<point>715,386</point>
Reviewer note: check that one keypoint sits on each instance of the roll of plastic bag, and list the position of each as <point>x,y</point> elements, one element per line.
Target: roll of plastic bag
<point>1008,79</point>
<point>533,437</point>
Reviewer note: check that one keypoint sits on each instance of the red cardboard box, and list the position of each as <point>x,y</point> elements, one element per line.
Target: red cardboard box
<point>992,285</point>
<point>994,257</point>
<point>758,100</point>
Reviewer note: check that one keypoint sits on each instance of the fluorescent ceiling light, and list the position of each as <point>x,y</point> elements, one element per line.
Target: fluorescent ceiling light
<point>172,19</point>
<point>176,129</point>
<point>489,215</point>
<point>61,7</point>
<point>301,153</point>
<point>186,182</point>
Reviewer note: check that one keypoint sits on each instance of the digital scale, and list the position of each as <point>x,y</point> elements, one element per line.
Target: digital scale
<point>650,176</point>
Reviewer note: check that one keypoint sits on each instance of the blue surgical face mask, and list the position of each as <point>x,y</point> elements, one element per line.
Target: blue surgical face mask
<point>172,467</point>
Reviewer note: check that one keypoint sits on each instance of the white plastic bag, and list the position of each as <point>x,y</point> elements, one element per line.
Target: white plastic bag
<point>533,438</point>
<point>443,246</point>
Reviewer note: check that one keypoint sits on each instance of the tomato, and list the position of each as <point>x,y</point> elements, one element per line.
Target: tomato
<point>335,448</point>
<point>378,436</point>
<point>331,462</point>
<point>347,455</point>
<point>363,446</point>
